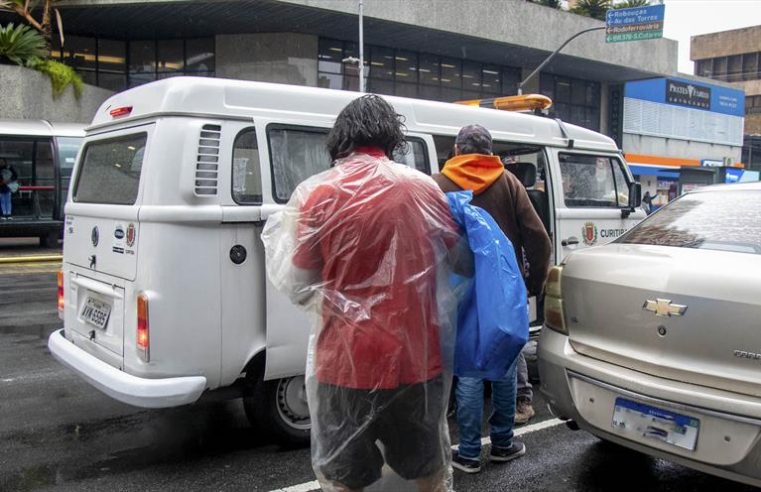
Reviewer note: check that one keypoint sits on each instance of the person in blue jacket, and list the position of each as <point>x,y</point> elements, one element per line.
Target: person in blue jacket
<point>503,196</point>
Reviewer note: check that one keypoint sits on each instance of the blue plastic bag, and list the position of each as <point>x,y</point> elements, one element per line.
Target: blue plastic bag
<point>492,324</point>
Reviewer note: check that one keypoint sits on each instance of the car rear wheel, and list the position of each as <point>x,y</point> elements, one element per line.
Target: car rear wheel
<point>279,408</point>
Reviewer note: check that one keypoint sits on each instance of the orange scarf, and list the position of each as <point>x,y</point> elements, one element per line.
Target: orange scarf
<point>473,171</point>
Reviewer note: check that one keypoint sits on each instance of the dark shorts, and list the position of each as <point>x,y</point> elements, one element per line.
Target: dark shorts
<point>407,420</point>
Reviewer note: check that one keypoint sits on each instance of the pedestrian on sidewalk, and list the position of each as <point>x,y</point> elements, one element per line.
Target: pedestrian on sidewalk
<point>8,185</point>
<point>505,199</point>
<point>368,252</point>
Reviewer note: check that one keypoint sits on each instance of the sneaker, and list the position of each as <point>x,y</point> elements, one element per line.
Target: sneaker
<point>503,455</point>
<point>466,465</point>
<point>523,411</point>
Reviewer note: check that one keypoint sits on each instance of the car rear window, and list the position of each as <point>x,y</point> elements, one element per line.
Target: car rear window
<point>110,171</point>
<point>728,220</point>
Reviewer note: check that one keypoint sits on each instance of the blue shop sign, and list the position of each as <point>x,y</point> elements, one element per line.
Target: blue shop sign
<point>688,93</point>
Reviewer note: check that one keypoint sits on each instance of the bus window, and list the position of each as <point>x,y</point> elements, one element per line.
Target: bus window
<point>43,187</point>
<point>67,155</point>
<point>32,158</point>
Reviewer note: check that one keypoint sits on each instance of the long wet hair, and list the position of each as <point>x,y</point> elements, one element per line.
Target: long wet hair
<point>367,121</point>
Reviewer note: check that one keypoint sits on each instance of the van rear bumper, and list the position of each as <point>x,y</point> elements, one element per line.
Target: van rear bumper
<point>140,392</point>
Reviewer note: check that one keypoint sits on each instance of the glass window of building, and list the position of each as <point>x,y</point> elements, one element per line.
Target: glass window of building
<point>575,101</point>
<point>199,57</point>
<point>80,53</point>
<point>429,69</point>
<point>170,56</point>
<point>511,77</point>
<point>704,68</point>
<point>112,64</point>
<point>330,56</point>
<point>491,83</point>
<point>142,62</point>
<point>411,74</point>
<point>734,68</point>
<point>382,63</point>
<point>750,66</point>
<point>720,68</point>
<point>116,65</point>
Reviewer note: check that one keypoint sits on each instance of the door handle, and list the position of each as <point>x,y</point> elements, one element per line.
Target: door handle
<point>569,241</point>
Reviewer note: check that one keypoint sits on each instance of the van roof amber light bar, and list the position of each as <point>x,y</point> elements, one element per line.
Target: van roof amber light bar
<point>526,102</point>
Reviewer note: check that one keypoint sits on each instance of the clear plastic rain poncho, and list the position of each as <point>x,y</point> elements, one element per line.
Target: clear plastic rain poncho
<point>368,247</point>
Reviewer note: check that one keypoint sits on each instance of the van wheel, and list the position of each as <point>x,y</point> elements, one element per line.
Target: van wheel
<point>280,409</point>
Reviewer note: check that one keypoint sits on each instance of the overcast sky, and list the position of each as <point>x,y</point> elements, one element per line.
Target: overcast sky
<point>685,18</point>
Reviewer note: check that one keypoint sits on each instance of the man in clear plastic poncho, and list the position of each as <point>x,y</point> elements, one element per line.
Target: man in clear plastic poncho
<point>366,246</point>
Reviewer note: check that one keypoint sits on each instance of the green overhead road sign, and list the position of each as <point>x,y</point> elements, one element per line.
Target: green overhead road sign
<point>633,36</point>
<point>634,24</point>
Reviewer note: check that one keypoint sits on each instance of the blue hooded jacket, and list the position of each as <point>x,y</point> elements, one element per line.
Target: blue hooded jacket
<point>492,324</point>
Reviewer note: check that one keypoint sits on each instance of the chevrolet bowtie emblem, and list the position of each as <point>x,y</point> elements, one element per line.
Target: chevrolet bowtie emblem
<point>664,308</point>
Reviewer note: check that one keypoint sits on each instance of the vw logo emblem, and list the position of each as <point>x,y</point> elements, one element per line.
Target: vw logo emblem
<point>94,236</point>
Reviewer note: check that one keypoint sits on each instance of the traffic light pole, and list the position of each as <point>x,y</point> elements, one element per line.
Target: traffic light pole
<point>549,58</point>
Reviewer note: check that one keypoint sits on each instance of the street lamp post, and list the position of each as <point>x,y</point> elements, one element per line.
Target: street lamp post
<point>361,60</point>
<point>549,58</point>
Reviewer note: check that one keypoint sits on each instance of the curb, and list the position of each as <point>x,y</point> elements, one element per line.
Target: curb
<point>31,259</point>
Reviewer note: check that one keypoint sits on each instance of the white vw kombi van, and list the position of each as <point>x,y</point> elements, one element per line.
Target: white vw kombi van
<point>163,292</point>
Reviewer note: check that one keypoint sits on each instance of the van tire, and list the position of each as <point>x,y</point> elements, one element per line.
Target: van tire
<point>274,407</point>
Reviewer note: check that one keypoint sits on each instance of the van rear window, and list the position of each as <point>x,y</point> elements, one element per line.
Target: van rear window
<point>110,171</point>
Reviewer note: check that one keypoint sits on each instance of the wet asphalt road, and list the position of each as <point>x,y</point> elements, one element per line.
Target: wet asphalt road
<point>59,433</point>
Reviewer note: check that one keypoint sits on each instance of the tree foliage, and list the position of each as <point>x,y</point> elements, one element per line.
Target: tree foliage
<point>626,4</point>
<point>19,44</point>
<point>61,76</point>
<point>592,8</point>
<point>24,8</point>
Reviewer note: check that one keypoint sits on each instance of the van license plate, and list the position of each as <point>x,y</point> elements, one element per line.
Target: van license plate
<point>95,312</point>
<point>655,423</point>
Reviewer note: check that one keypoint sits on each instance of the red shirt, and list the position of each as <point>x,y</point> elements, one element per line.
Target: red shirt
<point>377,230</point>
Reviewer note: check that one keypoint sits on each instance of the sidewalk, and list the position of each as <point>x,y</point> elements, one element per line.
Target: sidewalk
<point>12,247</point>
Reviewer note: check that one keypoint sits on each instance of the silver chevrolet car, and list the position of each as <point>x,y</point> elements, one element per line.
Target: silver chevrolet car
<point>653,341</point>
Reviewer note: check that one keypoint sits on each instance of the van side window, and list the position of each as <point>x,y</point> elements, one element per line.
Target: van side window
<point>593,181</point>
<point>247,177</point>
<point>110,171</point>
<point>295,155</point>
<point>415,156</point>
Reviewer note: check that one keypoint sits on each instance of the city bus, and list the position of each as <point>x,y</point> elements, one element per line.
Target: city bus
<point>42,154</point>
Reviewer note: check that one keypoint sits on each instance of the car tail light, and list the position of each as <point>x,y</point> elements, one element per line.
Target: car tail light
<point>143,328</point>
<point>61,303</point>
<point>554,317</point>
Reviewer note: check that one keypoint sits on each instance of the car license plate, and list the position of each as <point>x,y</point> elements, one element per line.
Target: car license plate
<point>95,312</point>
<point>656,423</point>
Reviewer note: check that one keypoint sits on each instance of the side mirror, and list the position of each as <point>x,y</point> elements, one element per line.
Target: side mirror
<point>635,200</point>
<point>635,195</point>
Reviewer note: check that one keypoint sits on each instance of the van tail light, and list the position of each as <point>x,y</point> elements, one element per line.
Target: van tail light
<point>61,303</point>
<point>143,328</point>
<point>554,316</point>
